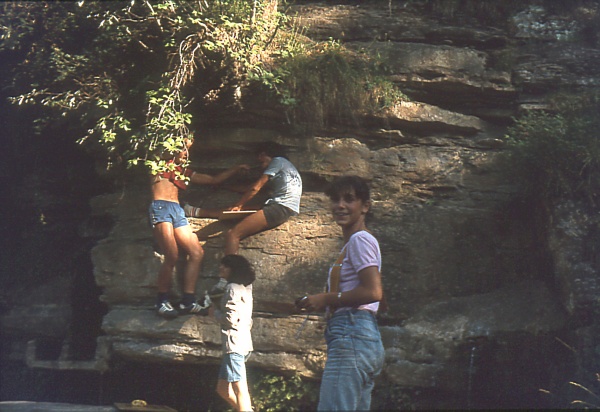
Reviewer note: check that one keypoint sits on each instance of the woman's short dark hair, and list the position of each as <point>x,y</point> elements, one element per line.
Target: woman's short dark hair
<point>242,271</point>
<point>345,184</point>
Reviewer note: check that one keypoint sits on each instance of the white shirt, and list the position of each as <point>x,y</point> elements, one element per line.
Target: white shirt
<point>235,317</point>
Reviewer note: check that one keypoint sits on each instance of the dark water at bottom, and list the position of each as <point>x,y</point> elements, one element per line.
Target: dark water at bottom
<point>185,388</point>
<point>497,378</point>
<point>190,388</point>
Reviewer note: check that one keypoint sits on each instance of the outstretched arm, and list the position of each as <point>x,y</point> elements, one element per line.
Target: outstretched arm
<point>250,193</point>
<point>204,179</point>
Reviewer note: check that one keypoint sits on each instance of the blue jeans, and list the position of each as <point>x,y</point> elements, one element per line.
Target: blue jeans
<point>355,357</point>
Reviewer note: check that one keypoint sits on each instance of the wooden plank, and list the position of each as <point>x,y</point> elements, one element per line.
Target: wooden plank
<point>238,214</point>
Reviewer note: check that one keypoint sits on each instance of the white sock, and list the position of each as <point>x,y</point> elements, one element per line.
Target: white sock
<point>191,210</point>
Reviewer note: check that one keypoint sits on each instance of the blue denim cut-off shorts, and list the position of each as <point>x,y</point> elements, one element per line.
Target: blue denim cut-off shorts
<point>164,211</point>
<point>233,367</point>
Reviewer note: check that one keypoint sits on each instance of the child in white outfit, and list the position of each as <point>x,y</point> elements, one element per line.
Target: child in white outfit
<point>235,317</point>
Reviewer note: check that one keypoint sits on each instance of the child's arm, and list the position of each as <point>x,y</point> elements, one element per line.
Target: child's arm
<point>230,313</point>
<point>227,316</point>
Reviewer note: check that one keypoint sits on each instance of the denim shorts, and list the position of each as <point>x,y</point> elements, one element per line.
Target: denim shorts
<point>233,367</point>
<point>355,358</point>
<point>164,211</point>
<point>276,214</point>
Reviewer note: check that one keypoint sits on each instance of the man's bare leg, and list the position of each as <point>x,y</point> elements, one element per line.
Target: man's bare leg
<point>249,226</point>
<point>188,241</point>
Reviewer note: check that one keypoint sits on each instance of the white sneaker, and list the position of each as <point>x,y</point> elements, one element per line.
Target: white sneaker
<point>165,310</point>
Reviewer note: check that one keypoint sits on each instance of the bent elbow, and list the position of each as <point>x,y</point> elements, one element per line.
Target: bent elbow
<point>376,293</point>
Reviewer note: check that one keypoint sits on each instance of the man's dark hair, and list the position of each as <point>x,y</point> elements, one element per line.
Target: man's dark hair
<point>345,184</point>
<point>271,149</point>
<point>241,270</point>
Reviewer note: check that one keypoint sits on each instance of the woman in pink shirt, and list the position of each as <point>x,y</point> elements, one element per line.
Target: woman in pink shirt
<point>355,353</point>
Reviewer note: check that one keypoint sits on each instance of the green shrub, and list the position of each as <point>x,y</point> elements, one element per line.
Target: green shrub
<point>327,84</point>
<point>272,392</point>
<point>556,152</point>
<point>388,396</point>
<point>124,74</point>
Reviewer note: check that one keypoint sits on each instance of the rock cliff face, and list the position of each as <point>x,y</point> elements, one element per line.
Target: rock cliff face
<point>478,292</point>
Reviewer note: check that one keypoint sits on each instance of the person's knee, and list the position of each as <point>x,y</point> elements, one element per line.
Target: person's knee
<point>170,260</point>
<point>232,235</point>
<point>197,253</point>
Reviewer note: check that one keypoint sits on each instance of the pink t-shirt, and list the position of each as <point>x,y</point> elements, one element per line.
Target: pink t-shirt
<point>362,251</point>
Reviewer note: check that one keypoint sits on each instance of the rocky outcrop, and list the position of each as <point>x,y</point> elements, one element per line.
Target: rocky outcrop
<point>462,255</point>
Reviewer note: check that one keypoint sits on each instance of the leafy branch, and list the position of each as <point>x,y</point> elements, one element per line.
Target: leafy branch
<point>125,70</point>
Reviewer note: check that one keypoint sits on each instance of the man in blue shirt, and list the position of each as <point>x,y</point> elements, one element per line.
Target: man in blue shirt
<point>285,185</point>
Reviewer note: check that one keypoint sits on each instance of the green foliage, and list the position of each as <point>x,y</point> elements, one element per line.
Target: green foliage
<point>328,84</point>
<point>557,152</point>
<point>388,396</point>
<point>271,392</point>
<point>127,76</point>
<point>123,70</point>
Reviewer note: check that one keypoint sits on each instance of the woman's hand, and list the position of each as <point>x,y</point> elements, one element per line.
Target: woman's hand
<point>369,290</point>
<point>314,303</point>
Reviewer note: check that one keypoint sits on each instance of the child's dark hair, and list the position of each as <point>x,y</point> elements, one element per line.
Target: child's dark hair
<point>271,149</point>
<point>241,270</point>
<point>345,184</point>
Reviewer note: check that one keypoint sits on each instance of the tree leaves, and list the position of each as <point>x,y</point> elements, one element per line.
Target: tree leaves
<point>121,69</point>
